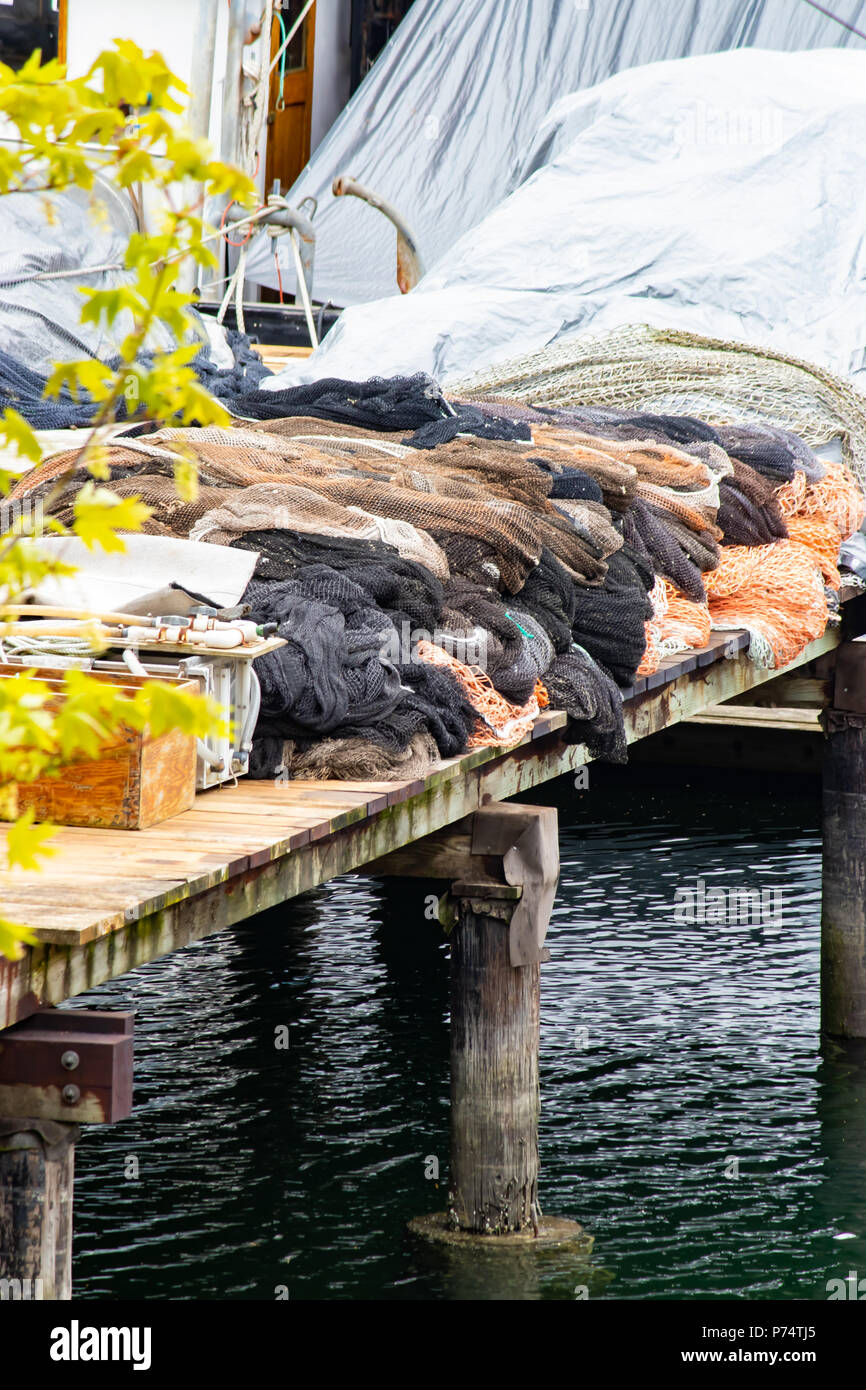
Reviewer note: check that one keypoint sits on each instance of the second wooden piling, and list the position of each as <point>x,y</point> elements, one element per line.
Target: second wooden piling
<point>494,1081</point>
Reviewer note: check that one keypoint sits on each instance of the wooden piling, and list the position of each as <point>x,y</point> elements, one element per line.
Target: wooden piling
<point>843,884</point>
<point>494,1080</point>
<point>37,1160</point>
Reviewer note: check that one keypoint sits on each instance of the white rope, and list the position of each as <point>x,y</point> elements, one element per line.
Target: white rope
<point>233,280</point>
<point>239,285</point>
<point>56,646</point>
<point>62,274</point>
<point>255,103</point>
<point>304,292</point>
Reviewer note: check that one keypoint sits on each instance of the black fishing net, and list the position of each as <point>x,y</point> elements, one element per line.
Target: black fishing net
<point>761,449</point>
<point>431,701</point>
<point>467,419</point>
<point>749,512</point>
<point>228,383</point>
<point>549,596</point>
<point>609,621</point>
<point>607,424</point>
<point>404,591</point>
<point>23,389</point>
<point>593,703</point>
<point>701,547</point>
<point>574,483</point>
<point>332,665</point>
<point>508,661</point>
<point>382,403</point>
<point>667,557</point>
<point>391,404</point>
<point>678,430</point>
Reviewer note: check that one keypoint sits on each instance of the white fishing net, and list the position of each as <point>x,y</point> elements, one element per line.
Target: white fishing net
<point>672,373</point>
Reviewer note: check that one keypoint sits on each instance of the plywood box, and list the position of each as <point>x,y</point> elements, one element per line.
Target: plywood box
<point>136,781</point>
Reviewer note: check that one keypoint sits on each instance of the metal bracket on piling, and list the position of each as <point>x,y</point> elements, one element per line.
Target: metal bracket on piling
<point>58,1068</point>
<point>849,678</point>
<point>69,1065</point>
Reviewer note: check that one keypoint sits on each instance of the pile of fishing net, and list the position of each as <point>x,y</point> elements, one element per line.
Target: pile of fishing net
<point>659,371</point>
<point>759,411</point>
<point>443,571</point>
<point>23,389</point>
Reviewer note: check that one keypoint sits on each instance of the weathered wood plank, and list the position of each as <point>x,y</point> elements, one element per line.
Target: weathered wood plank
<point>797,720</point>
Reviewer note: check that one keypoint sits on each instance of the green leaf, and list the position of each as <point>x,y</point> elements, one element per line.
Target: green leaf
<point>100,514</point>
<point>186,479</point>
<point>26,843</point>
<point>13,937</point>
<point>19,436</point>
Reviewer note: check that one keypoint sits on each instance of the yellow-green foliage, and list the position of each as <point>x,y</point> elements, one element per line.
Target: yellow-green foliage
<point>119,120</point>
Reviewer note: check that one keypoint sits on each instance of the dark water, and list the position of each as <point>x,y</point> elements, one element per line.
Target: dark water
<point>690,1118</point>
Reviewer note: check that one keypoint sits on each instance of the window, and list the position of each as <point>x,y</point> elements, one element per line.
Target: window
<point>29,24</point>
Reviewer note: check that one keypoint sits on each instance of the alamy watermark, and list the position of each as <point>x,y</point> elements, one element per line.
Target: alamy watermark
<point>77,1343</point>
<point>727,907</point>
<point>853,1287</point>
<point>20,1289</point>
<point>401,646</point>
<point>21,516</point>
<point>719,126</point>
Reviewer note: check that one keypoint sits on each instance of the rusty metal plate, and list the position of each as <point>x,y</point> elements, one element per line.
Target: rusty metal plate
<point>73,1065</point>
<point>849,692</point>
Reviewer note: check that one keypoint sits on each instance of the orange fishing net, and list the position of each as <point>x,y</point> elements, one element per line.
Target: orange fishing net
<point>685,621</point>
<point>500,723</point>
<point>835,499</point>
<point>678,625</point>
<point>821,515</point>
<point>541,695</point>
<point>651,659</point>
<point>776,592</point>
<point>823,539</point>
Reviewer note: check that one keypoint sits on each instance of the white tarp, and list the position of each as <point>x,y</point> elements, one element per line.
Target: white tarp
<point>138,579</point>
<point>722,195</point>
<point>440,125</point>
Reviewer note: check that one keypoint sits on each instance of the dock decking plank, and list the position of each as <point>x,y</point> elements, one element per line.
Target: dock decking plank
<point>111,899</point>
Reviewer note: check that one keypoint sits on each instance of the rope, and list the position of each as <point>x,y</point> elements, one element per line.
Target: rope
<point>291,34</point>
<point>236,287</point>
<point>302,288</point>
<point>282,55</point>
<point>76,272</point>
<point>846,24</point>
<point>55,646</point>
<point>239,287</point>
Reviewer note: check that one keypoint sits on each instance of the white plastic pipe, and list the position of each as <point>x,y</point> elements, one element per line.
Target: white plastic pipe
<point>186,636</point>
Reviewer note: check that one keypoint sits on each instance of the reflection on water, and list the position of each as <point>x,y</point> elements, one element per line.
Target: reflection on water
<point>690,1118</point>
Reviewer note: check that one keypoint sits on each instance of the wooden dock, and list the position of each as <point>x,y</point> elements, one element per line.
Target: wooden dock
<point>112,900</point>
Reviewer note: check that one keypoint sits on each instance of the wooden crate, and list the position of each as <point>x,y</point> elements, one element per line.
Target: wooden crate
<point>136,781</point>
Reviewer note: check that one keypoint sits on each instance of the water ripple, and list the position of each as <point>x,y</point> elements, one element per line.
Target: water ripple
<point>690,1118</point>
